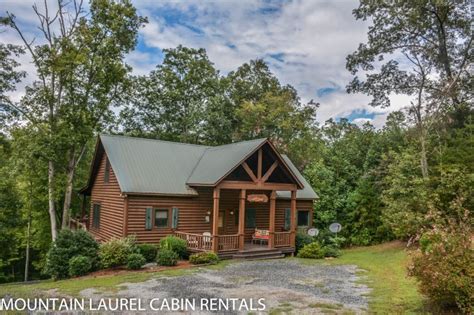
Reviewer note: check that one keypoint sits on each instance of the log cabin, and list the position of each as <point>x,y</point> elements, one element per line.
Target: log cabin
<point>239,200</point>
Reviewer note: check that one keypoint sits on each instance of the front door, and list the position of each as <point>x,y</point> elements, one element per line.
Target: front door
<point>221,223</point>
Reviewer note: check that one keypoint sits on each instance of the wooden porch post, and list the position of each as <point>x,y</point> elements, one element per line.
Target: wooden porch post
<point>215,221</point>
<point>293,218</point>
<point>271,240</point>
<point>242,219</point>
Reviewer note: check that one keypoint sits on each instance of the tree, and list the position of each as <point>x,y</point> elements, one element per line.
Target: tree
<point>9,76</point>
<point>10,221</point>
<point>81,73</point>
<point>183,100</point>
<point>428,44</point>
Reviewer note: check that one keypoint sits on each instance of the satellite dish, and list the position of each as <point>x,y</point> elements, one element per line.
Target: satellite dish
<point>335,227</point>
<point>313,232</point>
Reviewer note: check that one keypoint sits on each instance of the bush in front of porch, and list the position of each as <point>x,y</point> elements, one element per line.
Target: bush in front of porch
<point>175,244</point>
<point>203,258</point>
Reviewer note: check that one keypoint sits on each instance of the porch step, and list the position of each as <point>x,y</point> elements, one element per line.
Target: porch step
<point>259,254</point>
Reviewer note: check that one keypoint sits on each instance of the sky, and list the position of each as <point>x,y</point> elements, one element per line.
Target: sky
<point>304,42</point>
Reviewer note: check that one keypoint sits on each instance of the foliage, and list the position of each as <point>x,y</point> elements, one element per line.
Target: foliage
<point>203,258</point>
<point>148,251</point>
<point>311,250</point>
<point>135,261</point>
<point>301,240</point>
<point>10,221</point>
<point>167,257</point>
<point>68,245</point>
<point>175,244</point>
<point>444,264</point>
<point>331,251</point>
<point>115,252</point>
<point>79,265</point>
<point>81,73</point>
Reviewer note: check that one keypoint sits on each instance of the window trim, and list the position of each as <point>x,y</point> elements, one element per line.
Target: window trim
<point>168,225</point>
<point>308,217</point>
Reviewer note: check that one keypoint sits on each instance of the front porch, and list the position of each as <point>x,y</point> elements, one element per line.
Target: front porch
<point>244,208</point>
<point>233,225</point>
<point>229,245</point>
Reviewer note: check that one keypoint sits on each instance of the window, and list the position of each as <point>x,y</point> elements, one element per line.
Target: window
<point>303,218</point>
<point>96,215</point>
<point>107,171</point>
<point>161,217</point>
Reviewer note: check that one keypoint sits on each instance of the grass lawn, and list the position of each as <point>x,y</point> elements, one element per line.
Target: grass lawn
<point>392,291</point>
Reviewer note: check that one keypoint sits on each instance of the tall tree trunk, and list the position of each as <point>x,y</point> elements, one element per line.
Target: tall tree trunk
<point>28,233</point>
<point>423,158</point>
<point>68,194</point>
<point>27,256</point>
<point>52,208</point>
<point>71,171</point>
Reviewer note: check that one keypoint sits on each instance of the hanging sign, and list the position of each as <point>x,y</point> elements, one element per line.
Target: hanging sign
<point>257,198</point>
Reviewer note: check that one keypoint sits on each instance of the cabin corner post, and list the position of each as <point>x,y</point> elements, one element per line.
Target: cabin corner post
<point>215,220</point>
<point>271,240</point>
<point>125,215</point>
<point>242,219</point>
<point>293,218</point>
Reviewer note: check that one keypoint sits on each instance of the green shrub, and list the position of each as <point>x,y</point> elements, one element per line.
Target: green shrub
<point>116,251</point>
<point>175,244</point>
<point>135,261</point>
<point>79,266</point>
<point>67,245</point>
<point>330,251</point>
<point>312,250</point>
<point>203,258</point>
<point>148,251</point>
<point>301,240</point>
<point>444,266</point>
<point>167,257</point>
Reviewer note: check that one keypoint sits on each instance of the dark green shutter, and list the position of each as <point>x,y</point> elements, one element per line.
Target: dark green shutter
<point>287,219</point>
<point>107,171</point>
<point>96,216</point>
<point>236,219</point>
<point>174,218</point>
<point>250,218</point>
<point>149,218</point>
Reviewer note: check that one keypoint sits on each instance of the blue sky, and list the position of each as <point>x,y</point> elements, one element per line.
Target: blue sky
<point>305,43</point>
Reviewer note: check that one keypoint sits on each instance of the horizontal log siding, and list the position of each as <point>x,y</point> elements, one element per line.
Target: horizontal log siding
<point>193,210</point>
<point>108,195</point>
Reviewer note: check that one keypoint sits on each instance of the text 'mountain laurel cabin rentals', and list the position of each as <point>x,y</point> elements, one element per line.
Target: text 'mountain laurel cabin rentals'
<point>241,199</point>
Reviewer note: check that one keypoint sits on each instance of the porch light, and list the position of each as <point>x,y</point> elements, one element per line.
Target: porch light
<point>232,212</point>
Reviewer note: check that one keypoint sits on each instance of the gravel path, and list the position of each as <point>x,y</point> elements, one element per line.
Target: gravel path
<point>288,287</point>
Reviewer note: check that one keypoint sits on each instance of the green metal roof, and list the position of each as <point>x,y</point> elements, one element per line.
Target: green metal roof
<point>162,167</point>
<point>152,166</point>
<point>218,161</point>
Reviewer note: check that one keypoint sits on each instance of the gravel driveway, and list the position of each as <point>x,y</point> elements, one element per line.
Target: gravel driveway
<point>287,285</point>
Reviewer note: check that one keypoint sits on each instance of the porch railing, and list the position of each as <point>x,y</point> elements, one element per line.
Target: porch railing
<point>228,242</point>
<point>282,239</point>
<point>196,241</point>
